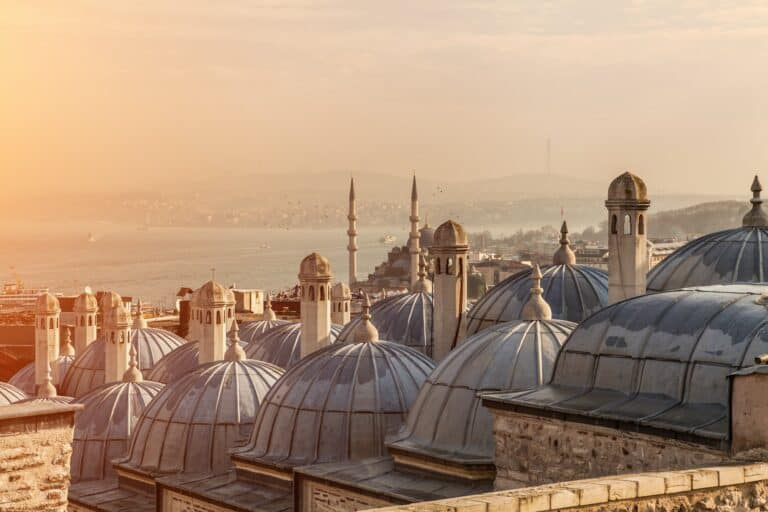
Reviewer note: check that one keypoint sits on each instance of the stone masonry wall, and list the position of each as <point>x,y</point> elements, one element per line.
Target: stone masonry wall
<point>324,498</point>
<point>34,458</point>
<point>532,450</point>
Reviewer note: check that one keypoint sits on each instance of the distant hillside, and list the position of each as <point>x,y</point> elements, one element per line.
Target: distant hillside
<point>698,219</point>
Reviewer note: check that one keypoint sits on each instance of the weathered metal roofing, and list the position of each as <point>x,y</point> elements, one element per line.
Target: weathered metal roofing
<point>281,345</point>
<point>252,331</point>
<point>177,363</point>
<point>193,423</point>
<point>404,319</point>
<point>573,292</point>
<point>24,379</point>
<point>730,256</point>
<point>447,421</point>
<point>337,404</point>
<point>104,427</point>
<point>657,361</point>
<point>87,371</point>
<point>10,393</point>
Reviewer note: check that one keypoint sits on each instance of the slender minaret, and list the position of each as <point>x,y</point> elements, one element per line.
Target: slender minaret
<point>215,303</point>
<point>627,205</point>
<point>315,277</point>
<point>450,250</point>
<point>413,239</point>
<point>341,298</point>
<point>536,308</point>
<point>47,314</point>
<point>365,332</point>
<point>564,255</point>
<point>117,337</point>
<point>352,233</point>
<point>269,314</point>
<point>139,322</point>
<point>85,308</point>
<point>756,217</point>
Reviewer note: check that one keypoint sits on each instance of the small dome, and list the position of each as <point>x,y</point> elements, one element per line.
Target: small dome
<point>627,187</point>
<point>450,234</point>
<point>86,303</point>
<point>24,379</point>
<point>104,427</point>
<point>314,266</point>
<point>573,292</point>
<point>340,291</point>
<point>47,304</point>
<point>404,319</point>
<point>110,300</point>
<point>212,294</point>
<point>253,331</point>
<point>337,404</point>
<point>281,346</point>
<point>447,420</point>
<point>87,371</point>
<point>10,394</point>
<point>178,363</point>
<point>193,423</point>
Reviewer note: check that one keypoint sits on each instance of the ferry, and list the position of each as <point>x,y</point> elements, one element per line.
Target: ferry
<point>15,295</point>
<point>388,239</point>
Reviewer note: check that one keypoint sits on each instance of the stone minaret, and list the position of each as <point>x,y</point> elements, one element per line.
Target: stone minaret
<point>315,277</point>
<point>756,217</point>
<point>564,255</point>
<point>117,336</point>
<point>352,234</point>
<point>341,299</point>
<point>215,303</point>
<point>413,238</point>
<point>627,205</point>
<point>86,309</point>
<point>450,287</point>
<point>139,322</point>
<point>47,313</point>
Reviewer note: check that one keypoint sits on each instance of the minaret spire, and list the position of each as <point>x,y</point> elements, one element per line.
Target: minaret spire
<point>536,308</point>
<point>564,255</point>
<point>756,217</point>
<point>413,245</point>
<point>352,233</point>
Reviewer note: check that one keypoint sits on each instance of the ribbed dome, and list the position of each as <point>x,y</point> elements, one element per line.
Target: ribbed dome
<point>730,256</point>
<point>47,304</point>
<point>404,319</point>
<point>338,404</point>
<point>193,423</point>
<point>660,360</point>
<point>213,294</point>
<point>281,346</point>
<point>314,265</point>
<point>627,187</point>
<point>85,303</point>
<point>87,371</point>
<point>25,378</point>
<point>340,291</point>
<point>447,420</point>
<point>104,427</point>
<point>252,331</point>
<point>10,393</point>
<point>573,292</point>
<point>450,234</point>
<point>179,362</point>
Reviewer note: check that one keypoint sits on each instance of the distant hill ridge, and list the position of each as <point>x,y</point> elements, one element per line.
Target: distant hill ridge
<point>698,219</point>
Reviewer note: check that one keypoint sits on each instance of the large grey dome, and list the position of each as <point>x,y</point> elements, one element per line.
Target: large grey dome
<point>281,345</point>
<point>659,361</point>
<point>251,331</point>
<point>193,423</point>
<point>404,319</point>
<point>447,420</point>
<point>104,427</point>
<point>730,256</point>
<point>179,362</point>
<point>24,379</point>
<point>10,394</point>
<point>87,371</point>
<point>338,404</point>
<point>573,292</point>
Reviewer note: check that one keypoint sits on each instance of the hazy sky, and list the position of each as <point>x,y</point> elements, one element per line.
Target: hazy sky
<point>106,92</point>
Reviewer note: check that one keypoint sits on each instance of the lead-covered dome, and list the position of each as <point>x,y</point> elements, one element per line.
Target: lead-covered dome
<point>104,427</point>
<point>85,303</point>
<point>659,361</point>
<point>213,294</point>
<point>255,330</point>
<point>404,319</point>
<point>450,234</point>
<point>314,265</point>
<point>179,362</point>
<point>281,345</point>
<point>24,379</point>
<point>193,423</point>
<point>87,371</point>
<point>627,187</point>
<point>47,304</point>
<point>447,421</point>
<point>337,404</point>
<point>10,394</point>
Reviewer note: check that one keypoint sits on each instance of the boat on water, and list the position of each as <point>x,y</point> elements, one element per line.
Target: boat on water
<point>16,295</point>
<point>388,239</point>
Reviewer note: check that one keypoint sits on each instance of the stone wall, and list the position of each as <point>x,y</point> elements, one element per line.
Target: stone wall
<point>177,502</point>
<point>35,448</point>
<point>719,489</point>
<point>532,450</point>
<point>325,498</point>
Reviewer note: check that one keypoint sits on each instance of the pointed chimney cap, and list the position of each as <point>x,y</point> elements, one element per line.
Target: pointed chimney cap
<point>67,349</point>
<point>366,331</point>
<point>139,322</point>
<point>234,352</point>
<point>756,217</point>
<point>269,314</point>
<point>132,374</point>
<point>47,389</point>
<point>564,254</point>
<point>536,308</point>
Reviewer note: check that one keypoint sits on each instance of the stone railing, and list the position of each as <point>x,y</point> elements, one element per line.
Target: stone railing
<point>722,488</point>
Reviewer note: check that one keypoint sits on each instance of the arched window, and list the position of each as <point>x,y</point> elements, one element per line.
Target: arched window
<point>346,307</point>
<point>614,227</point>
<point>50,323</point>
<point>438,268</point>
<point>90,321</point>
<point>112,336</point>
<point>322,292</point>
<point>303,295</point>
<point>208,317</point>
<point>82,321</point>
<point>449,266</point>
<point>218,318</point>
<point>627,224</point>
<point>640,225</point>
<point>229,313</point>
<point>461,267</point>
<point>312,293</point>
<point>42,323</point>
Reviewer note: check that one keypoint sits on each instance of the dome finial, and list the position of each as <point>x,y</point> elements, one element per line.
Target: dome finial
<point>139,322</point>
<point>269,314</point>
<point>536,308</point>
<point>68,349</point>
<point>47,389</point>
<point>423,285</point>
<point>132,374</point>
<point>234,352</point>
<point>366,331</point>
<point>756,217</point>
<point>564,255</point>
